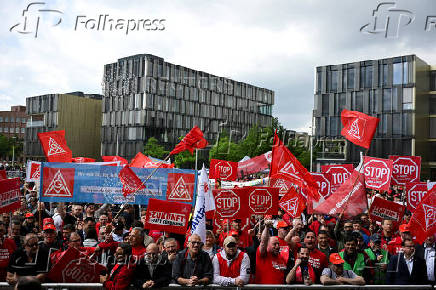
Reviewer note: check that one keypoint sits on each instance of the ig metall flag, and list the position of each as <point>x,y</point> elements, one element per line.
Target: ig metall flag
<point>199,217</point>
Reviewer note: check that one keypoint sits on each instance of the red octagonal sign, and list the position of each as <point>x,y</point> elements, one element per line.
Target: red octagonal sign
<point>378,173</point>
<point>405,169</point>
<point>224,169</point>
<point>323,183</point>
<point>260,201</point>
<point>227,203</point>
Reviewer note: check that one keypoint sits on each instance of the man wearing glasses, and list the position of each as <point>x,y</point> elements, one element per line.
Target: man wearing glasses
<point>231,266</point>
<point>27,261</point>
<point>192,266</point>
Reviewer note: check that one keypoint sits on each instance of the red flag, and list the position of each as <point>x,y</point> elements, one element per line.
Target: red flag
<point>114,158</point>
<point>350,198</point>
<point>131,182</point>
<point>193,140</point>
<point>10,195</point>
<point>423,221</point>
<point>3,175</point>
<point>83,159</point>
<point>293,203</point>
<point>55,146</point>
<point>358,127</point>
<point>224,170</point>
<point>142,161</point>
<point>285,166</point>
<point>167,216</point>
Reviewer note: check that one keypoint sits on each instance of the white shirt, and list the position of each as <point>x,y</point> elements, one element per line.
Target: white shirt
<point>409,264</point>
<point>429,259</point>
<point>227,281</point>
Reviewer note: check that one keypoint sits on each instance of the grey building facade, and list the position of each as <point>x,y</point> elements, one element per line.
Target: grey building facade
<point>145,96</point>
<point>400,91</point>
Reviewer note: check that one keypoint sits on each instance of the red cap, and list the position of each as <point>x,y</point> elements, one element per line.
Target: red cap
<point>28,215</point>
<point>336,259</point>
<point>404,228</point>
<point>233,233</point>
<point>49,227</point>
<point>282,224</point>
<point>47,221</point>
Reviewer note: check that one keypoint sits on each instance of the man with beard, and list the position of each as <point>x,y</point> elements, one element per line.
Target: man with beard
<point>324,245</point>
<point>387,233</point>
<point>302,272</point>
<point>154,271</point>
<point>379,258</point>
<point>282,232</point>
<point>270,265</point>
<point>231,266</point>
<point>354,260</point>
<point>192,265</point>
<point>170,249</point>
<point>336,275</point>
<point>121,273</point>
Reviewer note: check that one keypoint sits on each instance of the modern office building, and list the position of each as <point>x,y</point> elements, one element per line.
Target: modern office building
<point>77,113</point>
<point>145,96</point>
<point>400,91</point>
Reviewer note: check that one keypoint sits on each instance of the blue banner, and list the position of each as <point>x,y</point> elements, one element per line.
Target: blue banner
<point>81,182</point>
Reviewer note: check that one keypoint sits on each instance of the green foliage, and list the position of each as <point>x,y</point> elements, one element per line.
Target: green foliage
<point>185,160</point>
<point>153,149</point>
<point>8,145</point>
<point>225,149</point>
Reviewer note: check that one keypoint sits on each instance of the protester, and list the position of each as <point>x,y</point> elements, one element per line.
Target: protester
<point>336,275</point>
<point>302,272</point>
<point>121,273</point>
<point>427,251</point>
<point>379,258</point>
<point>170,249</point>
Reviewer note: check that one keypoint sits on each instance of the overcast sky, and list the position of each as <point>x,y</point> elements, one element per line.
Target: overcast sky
<point>271,44</point>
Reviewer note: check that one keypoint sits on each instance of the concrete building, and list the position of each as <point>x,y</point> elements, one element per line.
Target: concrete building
<point>145,96</point>
<point>400,91</point>
<point>77,113</point>
<point>13,122</point>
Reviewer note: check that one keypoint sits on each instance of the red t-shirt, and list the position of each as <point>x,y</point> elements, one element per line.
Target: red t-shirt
<point>270,269</point>
<point>284,249</point>
<point>138,251</point>
<point>317,259</point>
<point>6,250</point>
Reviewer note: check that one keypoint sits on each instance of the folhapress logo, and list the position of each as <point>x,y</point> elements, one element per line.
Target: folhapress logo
<point>388,20</point>
<point>37,14</point>
<point>32,18</point>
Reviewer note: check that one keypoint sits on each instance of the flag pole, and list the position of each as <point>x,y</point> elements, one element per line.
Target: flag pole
<point>143,183</point>
<point>196,159</point>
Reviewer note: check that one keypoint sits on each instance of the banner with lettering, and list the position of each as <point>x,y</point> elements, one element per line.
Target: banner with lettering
<point>384,209</point>
<point>82,182</point>
<point>255,164</point>
<point>9,195</point>
<point>167,216</point>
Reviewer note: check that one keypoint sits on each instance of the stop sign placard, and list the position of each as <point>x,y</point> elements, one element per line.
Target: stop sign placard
<point>405,169</point>
<point>337,174</point>
<point>227,203</point>
<point>378,173</point>
<point>415,192</point>
<point>224,170</point>
<point>323,183</point>
<point>263,200</point>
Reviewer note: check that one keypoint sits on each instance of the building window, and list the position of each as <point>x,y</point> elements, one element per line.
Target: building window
<point>332,80</point>
<point>408,99</point>
<point>396,124</point>
<point>397,70</point>
<point>407,124</point>
<point>350,78</point>
<point>405,72</point>
<point>358,101</point>
<point>1,119</point>
<point>387,100</point>
<point>318,81</point>
<point>325,105</point>
<point>6,119</point>
<point>366,77</point>
<point>1,130</point>
<point>433,128</point>
<point>17,130</point>
<point>433,81</point>
<point>432,105</point>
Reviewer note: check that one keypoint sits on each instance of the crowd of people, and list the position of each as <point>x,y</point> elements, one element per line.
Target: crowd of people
<point>311,249</point>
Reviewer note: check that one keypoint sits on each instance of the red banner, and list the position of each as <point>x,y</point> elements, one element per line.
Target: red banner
<point>10,195</point>
<point>405,169</point>
<point>55,146</point>
<point>378,173</point>
<point>423,221</point>
<point>255,164</point>
<point>415,192</point>
<point>359,128</point>
<point>131,182</point>
<point>323,183</point>
<point>142,161</point>
<point>74,267</point>
<point>232,203</point>
<point>384,209</point>
<point>293,203</point>
<point>193,140</point>
<point>114,158</point>
<point>3,175</point>
<point>167,216</point>
<point>337,174</point>
<point>224,170</point>
<point>180,187</point>
<point>83,159</point>
<point>58,182</point>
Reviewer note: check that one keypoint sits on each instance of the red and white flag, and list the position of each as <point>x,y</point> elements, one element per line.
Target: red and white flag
<point>143,161</point>
<point>114,158</point>
<point>193,140</point>
<point>349,199</point>
<point>33,171</point>
<point>83,159</point>
<point>286,166</point>
<point>224,170</point>
<point>423,221</point>
<point>55,146</point>
<point>378,173</point>
<point>359,128</point>
<point>131,182</point>
<point>293,203</point>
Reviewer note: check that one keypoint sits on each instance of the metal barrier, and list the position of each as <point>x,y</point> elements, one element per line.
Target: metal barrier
<point>98,286</point>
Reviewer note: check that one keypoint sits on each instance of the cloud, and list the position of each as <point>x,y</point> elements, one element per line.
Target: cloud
<point>273,44</point>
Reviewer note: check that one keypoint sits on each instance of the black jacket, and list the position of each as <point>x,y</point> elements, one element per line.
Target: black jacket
<point>184,267</point>
<point>161,273</point>
<point>420,252</point>
<point>398,273</point>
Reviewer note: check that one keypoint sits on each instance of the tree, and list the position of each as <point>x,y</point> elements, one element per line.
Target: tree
<point>225,149</point>
<point>153,149</point>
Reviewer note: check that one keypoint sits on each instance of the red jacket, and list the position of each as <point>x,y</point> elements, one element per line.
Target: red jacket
<point>232,271</point>
<point>120,277</point>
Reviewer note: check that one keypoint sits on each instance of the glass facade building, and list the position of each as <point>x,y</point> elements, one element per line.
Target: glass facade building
<point>145,96</point>
<point>399,91</point>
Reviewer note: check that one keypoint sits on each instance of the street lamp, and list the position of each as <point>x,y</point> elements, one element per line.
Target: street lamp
<point>13,150</point>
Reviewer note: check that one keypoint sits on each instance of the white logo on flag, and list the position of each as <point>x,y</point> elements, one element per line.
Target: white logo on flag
<point>291,205</point>
<point>57,186</point>
<point>180,191</point>
<point>430,216</point>
<point>54,148</point>
<point>281,185</point>
<point>36,174</point>
<point>356,131</point>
